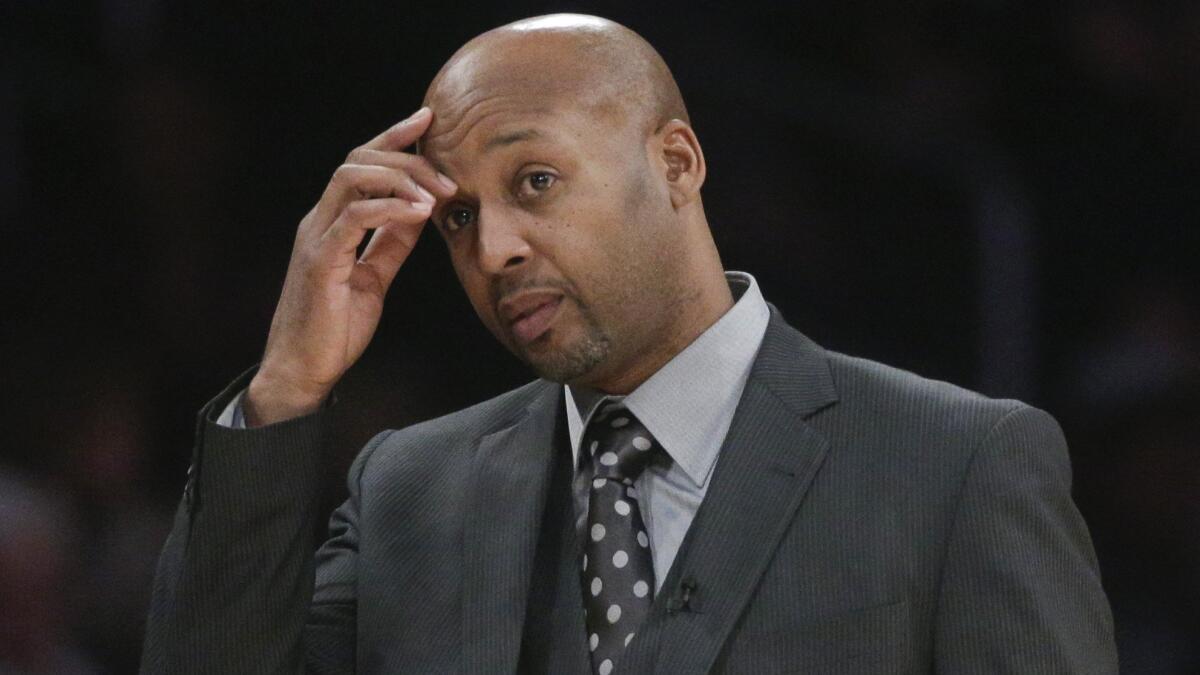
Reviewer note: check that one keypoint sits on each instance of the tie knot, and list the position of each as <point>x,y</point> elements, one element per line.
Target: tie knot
<point>619,444</point>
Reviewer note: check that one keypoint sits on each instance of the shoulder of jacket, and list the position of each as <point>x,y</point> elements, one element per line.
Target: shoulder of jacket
<point>472,422</point>
<point>873,377</point>
<point>880,390</point>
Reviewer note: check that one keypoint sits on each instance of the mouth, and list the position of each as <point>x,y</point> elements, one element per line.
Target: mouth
<point>529,315</point>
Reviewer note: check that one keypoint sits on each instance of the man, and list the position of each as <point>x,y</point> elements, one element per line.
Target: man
<point>709,492</point>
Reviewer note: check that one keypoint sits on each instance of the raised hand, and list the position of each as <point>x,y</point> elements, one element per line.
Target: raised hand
<point>332,298</point>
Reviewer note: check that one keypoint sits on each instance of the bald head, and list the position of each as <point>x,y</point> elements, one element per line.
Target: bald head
<point>577,229</point>
<point>598,64</point>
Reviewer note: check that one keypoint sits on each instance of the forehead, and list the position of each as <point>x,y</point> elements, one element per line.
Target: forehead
<point>471,120</point>
<point>506,82</point>
<point>484,125</point>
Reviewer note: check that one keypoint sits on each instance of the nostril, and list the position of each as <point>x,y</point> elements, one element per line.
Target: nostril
<point>514,261</point>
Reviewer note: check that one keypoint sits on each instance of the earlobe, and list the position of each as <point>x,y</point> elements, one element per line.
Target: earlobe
<point>683,162</point>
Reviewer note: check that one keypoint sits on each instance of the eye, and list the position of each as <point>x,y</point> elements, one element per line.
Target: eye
<point>535,183</point>
<point>458,217</point>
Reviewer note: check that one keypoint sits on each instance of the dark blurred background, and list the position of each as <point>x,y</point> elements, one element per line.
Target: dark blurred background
<point>999,194</point>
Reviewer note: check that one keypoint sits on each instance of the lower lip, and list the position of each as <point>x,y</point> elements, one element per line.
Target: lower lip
<point>530,327</point>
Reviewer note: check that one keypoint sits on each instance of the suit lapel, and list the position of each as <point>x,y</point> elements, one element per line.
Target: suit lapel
<point>767,462</point>
<point>554,639</point>
<point>509,484</point>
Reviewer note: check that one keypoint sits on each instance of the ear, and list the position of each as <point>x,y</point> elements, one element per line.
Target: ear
<point>682,161</point>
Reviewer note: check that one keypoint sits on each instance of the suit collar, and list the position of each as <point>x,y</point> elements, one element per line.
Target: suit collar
<point>794,368</point>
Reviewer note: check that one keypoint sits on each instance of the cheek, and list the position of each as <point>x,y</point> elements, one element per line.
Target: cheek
<point>598,241</point>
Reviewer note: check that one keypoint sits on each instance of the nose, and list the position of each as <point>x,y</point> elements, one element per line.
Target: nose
<point>502,244</point>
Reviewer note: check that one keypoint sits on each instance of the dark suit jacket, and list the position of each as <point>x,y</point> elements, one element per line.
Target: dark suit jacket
<point>860,520</point>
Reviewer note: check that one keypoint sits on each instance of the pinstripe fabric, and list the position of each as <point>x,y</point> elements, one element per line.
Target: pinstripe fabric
<point>860,519</point>
<point>554,609</point>
<point>217,597</point>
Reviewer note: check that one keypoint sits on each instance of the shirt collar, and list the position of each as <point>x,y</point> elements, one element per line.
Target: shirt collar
<point>688,404</point>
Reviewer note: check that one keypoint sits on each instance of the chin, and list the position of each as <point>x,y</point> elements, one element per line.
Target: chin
<point>565,363</point>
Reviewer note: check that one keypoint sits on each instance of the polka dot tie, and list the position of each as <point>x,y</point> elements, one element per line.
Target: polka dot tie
<point>618,573</point>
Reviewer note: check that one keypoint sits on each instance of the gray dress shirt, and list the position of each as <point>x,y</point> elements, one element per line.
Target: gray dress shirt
<point>687,406</point>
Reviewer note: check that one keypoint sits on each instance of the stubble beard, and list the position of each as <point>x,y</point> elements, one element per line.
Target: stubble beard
<point>577,359</point>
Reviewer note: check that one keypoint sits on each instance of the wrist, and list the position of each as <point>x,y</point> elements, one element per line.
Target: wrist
<point>271,399</point>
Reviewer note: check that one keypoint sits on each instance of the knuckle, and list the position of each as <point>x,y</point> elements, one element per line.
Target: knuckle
<point>410,186</point>
<point>308,224</point>
<point>412,163</point>
<point>342,175</point>
<point>306,260</point>
<point>357,210</point>
<point>358,155</point>
<point>399,209</point>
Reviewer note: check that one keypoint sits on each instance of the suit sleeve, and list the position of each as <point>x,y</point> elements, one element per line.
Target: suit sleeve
<point>234,589</point>
<point>1020,589</point>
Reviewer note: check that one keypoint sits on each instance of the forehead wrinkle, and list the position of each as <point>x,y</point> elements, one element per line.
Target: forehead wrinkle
<point>480,112</point>
<point>462,125</point>
<point>511,138</point>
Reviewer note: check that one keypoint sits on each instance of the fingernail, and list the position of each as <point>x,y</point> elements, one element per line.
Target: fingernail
<point>425,193</point>
<point>420,111</point>
<point>450,185</point>
<point>421,206</point>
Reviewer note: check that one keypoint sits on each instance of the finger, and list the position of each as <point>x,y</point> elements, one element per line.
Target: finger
<point>351,226</point>
<point>353,182</point>
<point>386,252</point>
<point>404,133</point>
<point>418,167</point>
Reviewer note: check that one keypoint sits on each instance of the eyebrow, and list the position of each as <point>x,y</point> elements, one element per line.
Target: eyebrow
<point>510,138</point>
